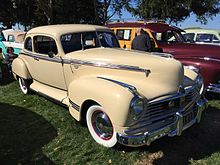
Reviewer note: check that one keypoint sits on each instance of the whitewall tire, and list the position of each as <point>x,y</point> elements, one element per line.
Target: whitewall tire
<point>24,85</point>
<point>100,126</point>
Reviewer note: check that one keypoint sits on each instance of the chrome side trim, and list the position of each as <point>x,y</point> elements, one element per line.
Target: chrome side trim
<point>74,105</point>
<point>42,57</point>
<point>209,59</point>
<point>129,87</point>
<point>89,63</point>
<point>107,65</point>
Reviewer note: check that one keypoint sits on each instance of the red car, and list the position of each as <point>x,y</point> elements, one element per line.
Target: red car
<point>203,58</point>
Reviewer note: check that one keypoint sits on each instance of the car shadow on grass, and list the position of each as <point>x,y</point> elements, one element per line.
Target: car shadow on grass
<point>197,142</point>
<point>22,136</point>
<point>5,77</point>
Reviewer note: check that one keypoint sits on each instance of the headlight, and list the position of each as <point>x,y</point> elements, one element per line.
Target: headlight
<point>136,108</point>
<point>195,69</point>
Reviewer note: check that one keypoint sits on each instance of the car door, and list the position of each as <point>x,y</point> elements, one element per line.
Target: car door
<point>46,65</point>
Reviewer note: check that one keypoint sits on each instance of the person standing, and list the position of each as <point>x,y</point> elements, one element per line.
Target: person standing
<point>141,41</point>
<point>1,59</point>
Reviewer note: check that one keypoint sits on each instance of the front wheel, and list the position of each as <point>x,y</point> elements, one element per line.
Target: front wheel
<point>24,85</point>
<point>100,126</point>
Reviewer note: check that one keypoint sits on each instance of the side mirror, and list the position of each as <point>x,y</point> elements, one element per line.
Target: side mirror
<point>51,54</point>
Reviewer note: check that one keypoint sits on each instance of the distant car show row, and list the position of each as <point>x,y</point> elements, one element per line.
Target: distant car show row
<point>125,94</point>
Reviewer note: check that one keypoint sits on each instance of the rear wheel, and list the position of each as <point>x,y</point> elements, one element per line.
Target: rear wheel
<point>24,85</point>
<point>100,126</point>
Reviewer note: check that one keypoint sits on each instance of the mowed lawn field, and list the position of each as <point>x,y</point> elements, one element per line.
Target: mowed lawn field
<point>34,130</point>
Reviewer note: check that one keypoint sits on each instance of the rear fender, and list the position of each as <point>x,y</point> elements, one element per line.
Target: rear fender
<point>20,69</point>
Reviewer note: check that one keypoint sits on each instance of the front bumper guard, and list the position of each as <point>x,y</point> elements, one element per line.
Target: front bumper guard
<point>173,129</point>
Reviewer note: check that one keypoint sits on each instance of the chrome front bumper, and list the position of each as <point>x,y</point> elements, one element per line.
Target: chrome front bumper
<point>215,88</point>
<point>173,129</point>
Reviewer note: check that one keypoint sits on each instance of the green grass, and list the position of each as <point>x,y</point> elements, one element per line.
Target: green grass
<point>34,130</point>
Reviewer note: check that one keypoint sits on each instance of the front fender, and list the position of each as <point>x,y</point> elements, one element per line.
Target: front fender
<point>115,99</point>
<point>209,68</point>
<point>20,69</point>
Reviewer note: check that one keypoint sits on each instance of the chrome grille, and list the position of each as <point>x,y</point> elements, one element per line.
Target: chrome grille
<point>189,115</point>
<point>159,114</point>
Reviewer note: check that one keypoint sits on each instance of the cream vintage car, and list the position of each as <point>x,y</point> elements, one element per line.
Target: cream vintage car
<point>124,96</point>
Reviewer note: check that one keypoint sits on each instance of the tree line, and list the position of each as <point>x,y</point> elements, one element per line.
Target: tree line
<point>42,12</point>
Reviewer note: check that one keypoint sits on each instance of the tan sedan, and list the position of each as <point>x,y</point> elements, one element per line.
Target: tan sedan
<point>124,96</point>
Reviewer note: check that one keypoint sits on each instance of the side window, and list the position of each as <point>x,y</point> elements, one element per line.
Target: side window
<point>45,45</point>
<point>189,37</point>
<point>71,42</point>
<point>167,36</point>
<point>28,44</point>
<point>204,37</point>
<point>11,38</point>
<point>215,39</point>
<point>123,34</point>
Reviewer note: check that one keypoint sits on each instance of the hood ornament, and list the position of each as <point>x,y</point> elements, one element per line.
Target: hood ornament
<point>181,89</point>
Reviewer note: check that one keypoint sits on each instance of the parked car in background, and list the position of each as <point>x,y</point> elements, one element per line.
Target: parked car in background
<point>202,36</point>
<point>123,96</point>
<point>12,38</point>
<point>200,57</point>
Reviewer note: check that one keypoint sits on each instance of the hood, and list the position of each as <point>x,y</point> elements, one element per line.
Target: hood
<point>192,50</point>
<point>166,74</point>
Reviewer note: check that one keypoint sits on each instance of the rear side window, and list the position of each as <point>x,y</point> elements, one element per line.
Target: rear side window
<point>204,37</point>
<point>11,38</point>
<point>28,44</point>
<point>45,45</point>
<point>123,34</point>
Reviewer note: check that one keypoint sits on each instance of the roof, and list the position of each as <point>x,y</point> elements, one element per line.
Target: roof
<point>18,34</point>
<point>58,30</point>
<point>158,27</point>
<point>201,30</point>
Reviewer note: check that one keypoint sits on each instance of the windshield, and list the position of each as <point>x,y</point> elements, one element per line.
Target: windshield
<point>169,36</point>
<point>87,40</point>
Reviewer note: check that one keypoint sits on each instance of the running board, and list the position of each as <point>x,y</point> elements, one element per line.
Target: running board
<point>56,94</point>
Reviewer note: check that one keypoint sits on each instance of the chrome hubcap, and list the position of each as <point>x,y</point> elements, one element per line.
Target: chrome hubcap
<point>102,125</point>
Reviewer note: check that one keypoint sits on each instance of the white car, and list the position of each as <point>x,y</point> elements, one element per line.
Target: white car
<point>202,36</point>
